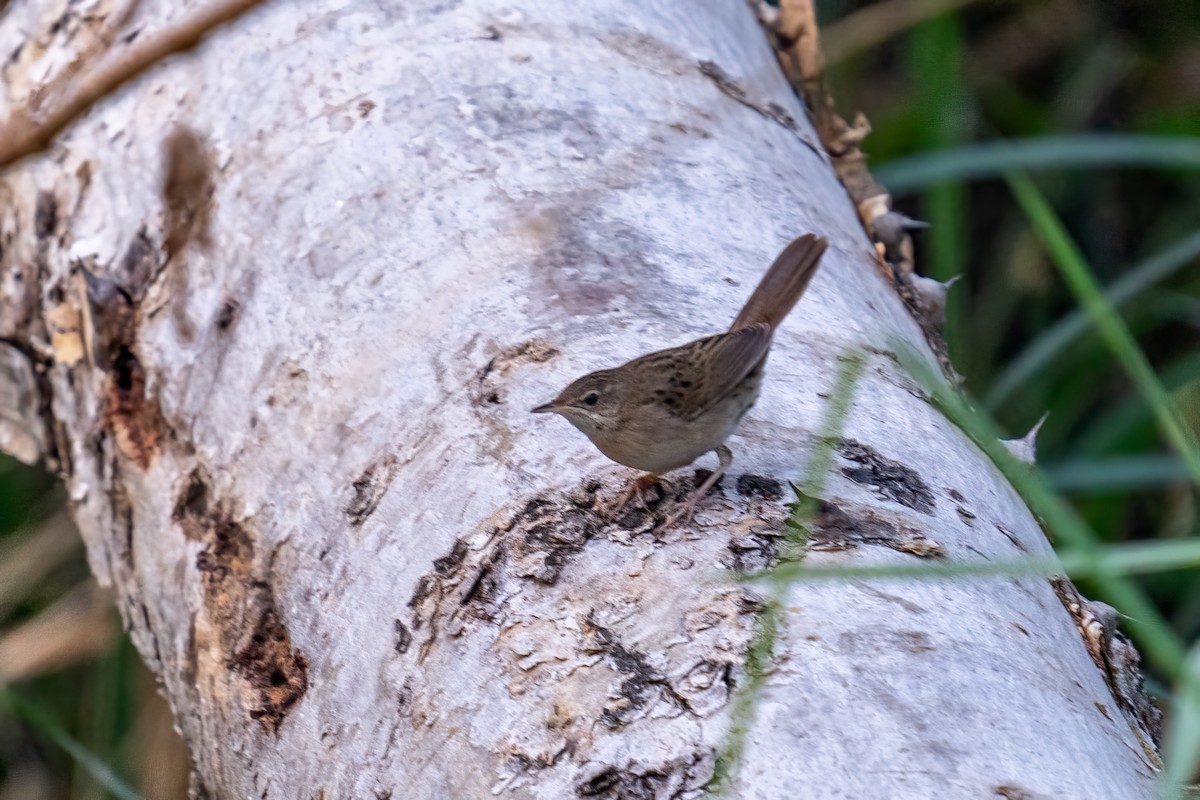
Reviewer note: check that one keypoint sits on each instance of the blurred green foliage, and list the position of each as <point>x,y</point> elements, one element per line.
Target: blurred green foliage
<point>1058,68</point>
<point>980,72</point>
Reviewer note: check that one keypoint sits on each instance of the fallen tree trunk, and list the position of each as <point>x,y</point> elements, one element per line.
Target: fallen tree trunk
<point>278,313</point>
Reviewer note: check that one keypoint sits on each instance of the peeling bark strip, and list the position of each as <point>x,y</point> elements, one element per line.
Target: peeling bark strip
<point>242,620</point>
<point>1120,662</point>
<point>356,565</point>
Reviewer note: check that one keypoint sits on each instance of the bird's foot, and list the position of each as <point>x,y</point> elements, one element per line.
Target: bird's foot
<point>684,512</point>
<point>635,489</point>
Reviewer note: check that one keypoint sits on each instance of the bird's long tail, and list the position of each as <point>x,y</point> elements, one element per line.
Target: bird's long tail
<point>785,281</point>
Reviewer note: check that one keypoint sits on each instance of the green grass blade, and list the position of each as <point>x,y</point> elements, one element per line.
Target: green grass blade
<point>1141,558</point>
<point>758,656</point>
<point>1118,423</point>
<point>1075,271</point>
<point>1160,646</point>
<point>1155,638</point>
<point>935,52</point>
<point>993,159</point>
<point>1117,473</point>
<point>86,759</point>
<point>1183,734</point>
<point>1049,344</point>
<point>804,509</point>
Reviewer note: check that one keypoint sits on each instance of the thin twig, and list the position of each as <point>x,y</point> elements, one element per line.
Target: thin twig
<point>24,135</point>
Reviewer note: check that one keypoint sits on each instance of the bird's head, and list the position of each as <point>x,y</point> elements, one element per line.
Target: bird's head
<point>590,403</point>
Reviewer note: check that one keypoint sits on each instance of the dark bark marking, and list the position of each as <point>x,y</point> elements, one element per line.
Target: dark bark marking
<point>228,314</point>
<point>1017,543</point>
<point>187,190</point>
<point>759,486</point>
<point>447,564</point>
<point>403,637</point>
<point>1010,792</point>
<point>642,684</point>
<point>891,479</point>
<point>191,506</point>
<point>536,544</point>
<point>369,488</point>
<point>45,215</point>
<point>755,550</point>
<point>275,673</point>
<point>638,781</point>
<point>769,109</point>
<point>139,264</point>
<point>646,51</point>
<point>841,528</point>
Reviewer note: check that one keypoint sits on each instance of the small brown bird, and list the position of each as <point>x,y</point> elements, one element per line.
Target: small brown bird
<point>664,410</point>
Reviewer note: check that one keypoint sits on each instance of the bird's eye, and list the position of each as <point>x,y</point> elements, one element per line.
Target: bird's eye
<point>591,398</point>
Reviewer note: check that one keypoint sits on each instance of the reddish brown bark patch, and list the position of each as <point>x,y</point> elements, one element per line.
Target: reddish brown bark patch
<point>136,421</point>
<point>276,676</point>
<point>242,633</point>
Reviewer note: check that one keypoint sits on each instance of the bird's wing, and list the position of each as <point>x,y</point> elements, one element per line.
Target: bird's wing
<point>723,362</point>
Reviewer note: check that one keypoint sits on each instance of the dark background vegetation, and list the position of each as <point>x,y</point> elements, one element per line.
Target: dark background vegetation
<point>976,71</point>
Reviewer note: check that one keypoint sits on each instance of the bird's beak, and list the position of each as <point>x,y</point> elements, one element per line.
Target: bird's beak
<point>546,408</point>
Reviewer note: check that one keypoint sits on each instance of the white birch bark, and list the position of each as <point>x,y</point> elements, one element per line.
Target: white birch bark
<point>302,452</point>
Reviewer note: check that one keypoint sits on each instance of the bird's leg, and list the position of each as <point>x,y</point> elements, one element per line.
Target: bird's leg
<point>684,512</point>
<point>635,489</point>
